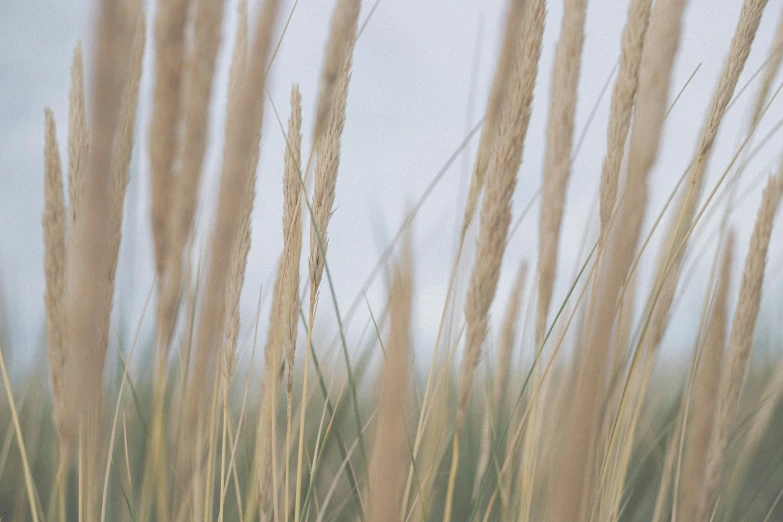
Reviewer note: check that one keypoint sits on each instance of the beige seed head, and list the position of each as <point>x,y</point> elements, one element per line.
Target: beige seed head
<point>123,147</point>
<point>661,44</point>
<point>750,17</point>
<point>622,102</point>
<point>326,167</point>
<point>496,207</point>
<point>292,231</point>
<point>241,152</point>
<point>78,143</point>
<point>339,48</point>
<point>54,269</point>
<point>170,23</point>
<point>770,71</point>
<point>557,159</point>
<point>89,309</point>
<point>509,49</point>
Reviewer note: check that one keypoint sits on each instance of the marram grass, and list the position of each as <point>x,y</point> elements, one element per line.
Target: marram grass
<point>561,411</point>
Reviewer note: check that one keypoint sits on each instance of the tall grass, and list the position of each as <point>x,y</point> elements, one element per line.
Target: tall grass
<point>578,418</point>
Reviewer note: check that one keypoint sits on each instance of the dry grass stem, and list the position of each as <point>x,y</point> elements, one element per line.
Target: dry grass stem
<point>195,99</point>
<point>326,167</point>
<point>506,342</point>
<point>292,231</point>
<point>661,45</point>
<point>739,343</point>
<point>123,147</point>
<point>622,102</point>
<point>509,49</point>
<point>339,48</point>
<point>270,385</point>
<point>78,143</point>
<point>170,24</point>
<point>706,383</point>
<point>496,216</point>
<point>89,309</point>
<point>240,153</point>
<point>770,71</point>
<point>389,461</point>
<point>54,269</point>
<point>496,207</point>
<point>671,260</point>
<point>557,158</point>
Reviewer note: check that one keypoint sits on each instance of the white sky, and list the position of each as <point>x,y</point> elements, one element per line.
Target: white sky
<point>407,112</point>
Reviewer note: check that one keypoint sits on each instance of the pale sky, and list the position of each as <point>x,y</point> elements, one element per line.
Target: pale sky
<point>408,109</point>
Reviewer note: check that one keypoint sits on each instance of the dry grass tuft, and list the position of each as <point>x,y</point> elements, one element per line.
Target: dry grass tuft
<point>582,424</point>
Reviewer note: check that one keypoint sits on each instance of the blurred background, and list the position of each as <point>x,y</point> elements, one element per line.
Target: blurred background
<point>421,74</point>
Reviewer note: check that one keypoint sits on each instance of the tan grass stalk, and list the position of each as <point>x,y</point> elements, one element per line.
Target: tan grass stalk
<point>239,252</point>
<point>292,230</point>
<point>389,461</point>
<point>78,143</point>
<point>236,76</point>
<point>123,147</point>
<point>508,336</point>
<point>624,325</point>
<point>330,121</point>
<point>770,71</point>
<point>661,44</point>
<point>557,158</point>
<point>622,102</point>
<point>496,208</point>
<point>240,152</point>
<point>241,246</point>
<point>760,422</point>
<point>170,23</point>
<point>88,297</point>
<point>669,464</point>
<point>240,156</point>
<point>506,342</point>
<point>745,33</point>
<point>496,216</point>
<point>292,251</point>
<point>339,48</point>
<point>739,344</point>
<point>89,308</point>
<point>663,296</point>
<point>511,38</point>
<point>54,269</point>
<point>196,94</point>
<point>326,168</point>
<point>266,429</point>
<point>433,444</point>
<point>236,277</point>
<point>489,130</point>
<point>706,383</point>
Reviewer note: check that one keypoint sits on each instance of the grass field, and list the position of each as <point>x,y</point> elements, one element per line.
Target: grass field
<point>537,408</point>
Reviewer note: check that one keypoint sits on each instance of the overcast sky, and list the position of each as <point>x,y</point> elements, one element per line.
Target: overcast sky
<point>408,109</point>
